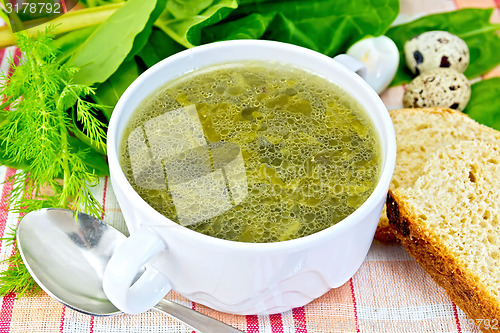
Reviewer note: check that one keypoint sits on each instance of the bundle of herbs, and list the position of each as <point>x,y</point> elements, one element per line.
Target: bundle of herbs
<point>56,169</point>
<point>60,97</point>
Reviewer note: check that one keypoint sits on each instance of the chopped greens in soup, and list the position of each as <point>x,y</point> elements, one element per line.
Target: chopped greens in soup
<point>252,152</point>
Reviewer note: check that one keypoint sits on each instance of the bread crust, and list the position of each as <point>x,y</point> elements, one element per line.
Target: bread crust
<point>384,232</point>
<point>461,285</point>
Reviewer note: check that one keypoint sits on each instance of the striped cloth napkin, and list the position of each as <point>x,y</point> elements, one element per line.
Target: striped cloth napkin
<point>389,293</point>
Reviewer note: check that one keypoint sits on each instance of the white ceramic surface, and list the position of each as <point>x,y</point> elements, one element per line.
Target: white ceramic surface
<point>380,56</point>
<point>236,277</point>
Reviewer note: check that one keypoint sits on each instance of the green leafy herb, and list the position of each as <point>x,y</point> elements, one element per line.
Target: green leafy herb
<point>252,26</point>
<point>471,24</point>
<point>105,54</point>
<point>328,27</point>
<point>159,46</point>
<point>184,19</point>
<point>16,277</point>
<point>36,128</point>
<point>484,105</point>
<point>96,3</point>
<point>107,47</point>
<point>68,43</point>
<point>35,131</point>
<point>110,91</point>
<point>94,160</point>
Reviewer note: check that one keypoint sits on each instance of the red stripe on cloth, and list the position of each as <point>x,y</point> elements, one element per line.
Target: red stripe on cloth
<point>104,197</point>
<point>299,319</point>
<point>91,328</point>
<point>6,312</point>
<point>252,324</point>
<point>193,306</point>
<point>355,308</point>
<point>7,308</point>
<point>17,60</point>
<point>9,299</point>
<point>457,320</point>
<point>17,56</point>
<point>276,323</point>
<point>61,327</point>
<point>10,71</point>
<point>7,188</point>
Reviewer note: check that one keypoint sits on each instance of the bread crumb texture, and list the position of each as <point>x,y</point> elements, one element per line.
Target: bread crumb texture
<point>457,198</point>
<point>419,134</point>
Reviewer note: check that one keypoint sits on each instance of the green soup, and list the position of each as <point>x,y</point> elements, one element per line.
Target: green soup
<point>252,152</point>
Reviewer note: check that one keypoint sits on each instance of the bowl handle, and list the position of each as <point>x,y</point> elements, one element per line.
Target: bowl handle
<point>352,64</point>
<point>126,264</point>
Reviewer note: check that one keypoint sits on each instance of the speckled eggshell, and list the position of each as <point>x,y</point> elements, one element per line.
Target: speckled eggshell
<point>436,49</point>
<point>442,87</point>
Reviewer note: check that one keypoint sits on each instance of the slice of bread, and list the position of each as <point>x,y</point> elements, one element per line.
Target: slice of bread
<point>449,221</point>
<point>419,133</point>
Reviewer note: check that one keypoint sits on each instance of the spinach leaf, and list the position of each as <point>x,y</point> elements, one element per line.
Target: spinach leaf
<point>107,47</point>
<point>95,161</point>
<point>184,19</point>
<point>8,161</point>
<point>97,3</point>
<point>252,26</point>
<point>158,47</point>
<point>183,8</point>
<point>142,38</point>
<point>108,92</point>
<point>329,27</point>
<point>68,43</point>
<point>471,24</point>
<point>484,105</point>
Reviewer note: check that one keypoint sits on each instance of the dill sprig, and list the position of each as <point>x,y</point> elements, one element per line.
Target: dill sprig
<point>16,278</point>
<point>36,126</point>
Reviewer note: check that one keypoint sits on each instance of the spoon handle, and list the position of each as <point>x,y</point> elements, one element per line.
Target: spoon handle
<point>194,319</point>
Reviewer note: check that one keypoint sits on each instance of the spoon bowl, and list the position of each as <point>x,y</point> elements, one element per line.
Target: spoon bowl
<point>66,255</point>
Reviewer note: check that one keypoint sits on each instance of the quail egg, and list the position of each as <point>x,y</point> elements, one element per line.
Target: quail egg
<point>436,49</point>
<point>441,87</point>
<point>381,58</point>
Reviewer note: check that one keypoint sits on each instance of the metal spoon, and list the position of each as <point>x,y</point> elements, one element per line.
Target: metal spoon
<point>67,258</point>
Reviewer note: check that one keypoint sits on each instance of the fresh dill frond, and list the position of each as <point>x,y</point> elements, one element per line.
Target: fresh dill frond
<point>16,277</point>
<point>35,126</point>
